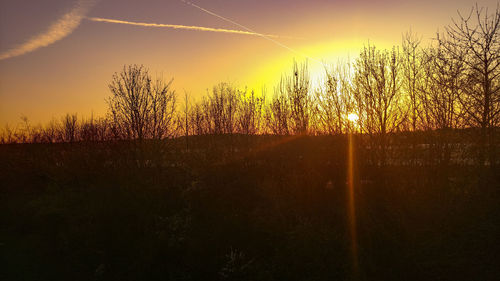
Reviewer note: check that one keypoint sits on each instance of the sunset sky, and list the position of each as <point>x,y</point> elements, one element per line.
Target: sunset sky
<point>69,59</point>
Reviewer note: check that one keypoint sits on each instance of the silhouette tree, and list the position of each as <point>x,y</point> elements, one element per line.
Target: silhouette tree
<point>186,119</point>
<point>334,101</point>
<point>197,119</point>
<point>291,109</point>
<point>94,129</point>
<point>220,109</point>
<point>440,89</point>
<point>277,115</point>
<point>478,35</point>
<point>250,113</point>
<point>162,110</point>
<point>377,90</point>
<point>70,127</point>
<point>296,88</point>
<point>412,75</point>
<point>139,107</point>
<point>51,132</point>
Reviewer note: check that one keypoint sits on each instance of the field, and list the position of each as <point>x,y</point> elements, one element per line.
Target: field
<point>235,207</point>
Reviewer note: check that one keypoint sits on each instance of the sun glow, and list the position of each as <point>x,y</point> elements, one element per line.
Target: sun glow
<point>353,117</point>
<point>320,57</point>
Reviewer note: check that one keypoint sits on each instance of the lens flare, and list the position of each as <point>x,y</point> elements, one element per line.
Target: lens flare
<point>351,205</point>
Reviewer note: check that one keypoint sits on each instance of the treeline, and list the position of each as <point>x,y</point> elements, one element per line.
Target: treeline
<point>451,84</point>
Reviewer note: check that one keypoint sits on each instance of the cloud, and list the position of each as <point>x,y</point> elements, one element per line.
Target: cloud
<point>65,25</point>
<point>188,27</point>
<point>61,28</point>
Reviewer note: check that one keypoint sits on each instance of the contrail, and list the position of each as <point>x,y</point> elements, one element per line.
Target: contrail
<point>61,28</point>
<point>188,27</point>
<point>253,31</point>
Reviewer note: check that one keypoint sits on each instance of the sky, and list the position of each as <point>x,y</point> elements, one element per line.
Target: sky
<point>55,58</point>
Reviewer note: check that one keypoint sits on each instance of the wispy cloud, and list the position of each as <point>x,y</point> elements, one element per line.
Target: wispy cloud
<point>188,27</point>
<point>65,25</point>
<point>61,28</point>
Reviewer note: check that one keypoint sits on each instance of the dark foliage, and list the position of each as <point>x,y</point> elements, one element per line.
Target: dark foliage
<point>240,208</point>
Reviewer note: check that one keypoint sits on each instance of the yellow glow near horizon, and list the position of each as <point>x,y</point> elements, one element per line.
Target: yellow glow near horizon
<point>353,117</point>
<point>319,57</point>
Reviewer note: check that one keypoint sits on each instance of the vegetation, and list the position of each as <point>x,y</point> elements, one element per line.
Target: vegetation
<point>452,84</point>
<point>242,186</point>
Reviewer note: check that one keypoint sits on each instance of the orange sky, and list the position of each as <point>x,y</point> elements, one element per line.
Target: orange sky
<point>71,74</point>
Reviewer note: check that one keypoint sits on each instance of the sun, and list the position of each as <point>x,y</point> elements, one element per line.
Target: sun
<point>353,117</point>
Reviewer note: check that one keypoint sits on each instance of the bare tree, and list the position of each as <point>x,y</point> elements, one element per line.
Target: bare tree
<point>277,115</point>
<point>8,135</point>
<point>478,35</point>
<point>162,110</point>
<point>70,127</point>
<point>221,108</point>
<point>412,75</point>
<point>129,103</point>
<point>197,120</point>
<point>440,89</point>
<point>377,92</point>
<point>334,101</point>
<point>250,113</point>
<point>139,107</point>
<point>94,129</point>
<point>50,133</point>
<point>186,119</point>
<point>291,109</point>
<point>296,87</point>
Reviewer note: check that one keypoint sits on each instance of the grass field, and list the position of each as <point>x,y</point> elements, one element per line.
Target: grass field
<point>241,208</point>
